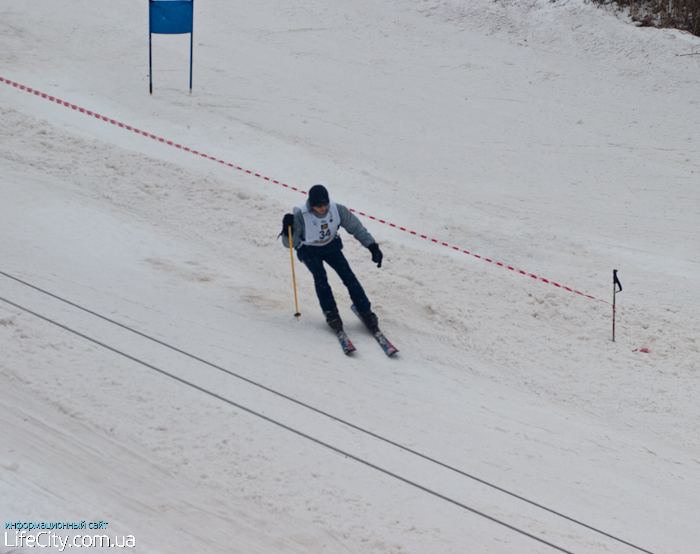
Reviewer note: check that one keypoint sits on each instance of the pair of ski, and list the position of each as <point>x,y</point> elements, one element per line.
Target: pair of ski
<point>348,347</point>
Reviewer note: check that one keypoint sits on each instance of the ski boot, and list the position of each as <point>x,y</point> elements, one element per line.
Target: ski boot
<point>371,320</point>
<point>333,320</point>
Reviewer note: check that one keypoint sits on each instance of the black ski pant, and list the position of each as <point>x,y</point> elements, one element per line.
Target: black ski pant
<point>323,290</point>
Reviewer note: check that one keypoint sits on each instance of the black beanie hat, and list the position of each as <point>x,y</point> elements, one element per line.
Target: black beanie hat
<point>318,195</point>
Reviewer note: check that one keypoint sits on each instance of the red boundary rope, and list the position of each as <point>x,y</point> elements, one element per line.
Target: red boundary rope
<point>171,143</point>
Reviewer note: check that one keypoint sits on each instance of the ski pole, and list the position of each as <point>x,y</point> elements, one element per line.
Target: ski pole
<point>294,279</point>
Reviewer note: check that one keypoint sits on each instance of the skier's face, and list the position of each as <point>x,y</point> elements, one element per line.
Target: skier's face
<point>322,209</point>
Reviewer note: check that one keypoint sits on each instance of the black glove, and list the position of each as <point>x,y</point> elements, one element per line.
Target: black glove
<point>287,222</point>
<point>376,254</point>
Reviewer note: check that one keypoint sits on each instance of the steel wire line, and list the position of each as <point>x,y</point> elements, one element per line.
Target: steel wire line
<point>288,428</point>
<point>330,416</point>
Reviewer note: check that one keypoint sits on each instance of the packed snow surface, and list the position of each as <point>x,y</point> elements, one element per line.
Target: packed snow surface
<point>152,374</point>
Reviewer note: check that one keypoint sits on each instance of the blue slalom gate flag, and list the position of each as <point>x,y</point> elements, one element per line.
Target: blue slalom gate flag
<point>169,17</point>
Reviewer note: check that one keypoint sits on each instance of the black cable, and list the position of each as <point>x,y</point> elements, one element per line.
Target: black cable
<point>330,416</point>
<point>287,428</point>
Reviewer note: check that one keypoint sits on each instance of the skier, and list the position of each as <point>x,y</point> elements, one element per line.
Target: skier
<point>315,236</point>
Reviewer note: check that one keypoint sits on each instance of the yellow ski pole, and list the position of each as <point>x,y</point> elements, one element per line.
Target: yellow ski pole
<point>294,279</point>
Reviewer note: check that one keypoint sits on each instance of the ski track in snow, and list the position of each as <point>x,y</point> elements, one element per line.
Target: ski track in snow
<point>550,136</point>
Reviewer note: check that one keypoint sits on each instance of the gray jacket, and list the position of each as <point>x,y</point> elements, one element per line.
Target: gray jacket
<point>348,221</point>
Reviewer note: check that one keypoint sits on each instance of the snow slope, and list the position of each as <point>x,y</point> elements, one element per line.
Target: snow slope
<point>551,137</point>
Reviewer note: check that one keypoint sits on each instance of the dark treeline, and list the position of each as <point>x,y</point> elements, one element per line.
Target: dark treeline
<point>676,14</point>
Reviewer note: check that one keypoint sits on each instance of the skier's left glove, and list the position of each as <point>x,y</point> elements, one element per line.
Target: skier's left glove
<point>376,254</point>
